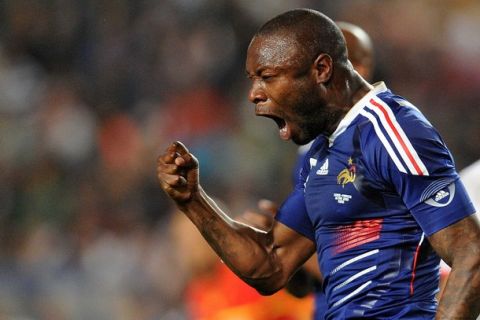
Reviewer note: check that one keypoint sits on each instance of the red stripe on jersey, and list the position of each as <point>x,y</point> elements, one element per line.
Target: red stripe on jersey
<point>358,233</point>
<point>414,268</point>
<point>395,131</point>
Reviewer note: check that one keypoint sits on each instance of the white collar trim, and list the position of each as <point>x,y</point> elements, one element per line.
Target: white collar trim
<point>355,110</point>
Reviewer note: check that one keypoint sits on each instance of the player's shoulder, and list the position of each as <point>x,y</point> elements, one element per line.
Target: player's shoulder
<point>393,126</point>
<point>392,117</point>
<point>395,108</point>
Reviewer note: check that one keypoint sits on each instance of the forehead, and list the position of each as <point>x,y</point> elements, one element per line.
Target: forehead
<point>273,51</point>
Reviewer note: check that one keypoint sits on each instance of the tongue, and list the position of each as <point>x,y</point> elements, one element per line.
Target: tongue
<point>285,132</point>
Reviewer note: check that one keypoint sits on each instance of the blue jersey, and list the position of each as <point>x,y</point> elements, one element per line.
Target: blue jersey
<point>320,304</point>
<point>368,196</point>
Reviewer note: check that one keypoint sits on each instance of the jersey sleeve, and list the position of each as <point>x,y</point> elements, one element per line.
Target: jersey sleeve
<point>293,212</point>
<point>411,157</point>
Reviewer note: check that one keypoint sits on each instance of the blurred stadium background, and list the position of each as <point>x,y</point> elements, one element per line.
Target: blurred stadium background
<point>91,91</point>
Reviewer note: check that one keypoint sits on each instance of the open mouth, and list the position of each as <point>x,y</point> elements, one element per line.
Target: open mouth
<point>279,121</point>
<point>284,129</point>
<point>263,111</point>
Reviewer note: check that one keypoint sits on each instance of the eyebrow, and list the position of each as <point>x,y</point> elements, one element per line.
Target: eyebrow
<point>261,69</point>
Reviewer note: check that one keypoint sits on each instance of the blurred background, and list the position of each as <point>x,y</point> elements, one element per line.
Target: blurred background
<point>92,91</point>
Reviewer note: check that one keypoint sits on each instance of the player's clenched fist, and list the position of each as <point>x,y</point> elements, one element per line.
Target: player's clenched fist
<point>177,172</point>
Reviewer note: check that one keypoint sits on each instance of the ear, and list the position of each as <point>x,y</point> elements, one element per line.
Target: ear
<point>323,66</point>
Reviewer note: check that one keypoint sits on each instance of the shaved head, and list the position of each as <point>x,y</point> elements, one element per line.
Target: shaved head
<point>310,31</point>
<point>301,76</point>
<point>360,48</point>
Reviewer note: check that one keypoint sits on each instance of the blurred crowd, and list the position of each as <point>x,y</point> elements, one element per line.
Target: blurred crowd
<point>91,91</point>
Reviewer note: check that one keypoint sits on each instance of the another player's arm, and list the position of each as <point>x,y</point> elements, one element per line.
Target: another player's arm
<point>265,260</point>
<point>459,246</point>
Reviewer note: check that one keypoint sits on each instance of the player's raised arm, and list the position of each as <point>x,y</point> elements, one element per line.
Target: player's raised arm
<point>265,260</point>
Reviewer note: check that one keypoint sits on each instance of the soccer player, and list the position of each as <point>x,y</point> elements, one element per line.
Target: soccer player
<point>360,54</point>
<point>379,200</point>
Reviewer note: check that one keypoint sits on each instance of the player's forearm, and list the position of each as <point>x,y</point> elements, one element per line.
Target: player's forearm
<point>461,296</point>
<point>247,251</point>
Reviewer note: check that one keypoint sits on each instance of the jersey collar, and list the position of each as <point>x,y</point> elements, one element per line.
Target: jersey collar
<point>355,110</point>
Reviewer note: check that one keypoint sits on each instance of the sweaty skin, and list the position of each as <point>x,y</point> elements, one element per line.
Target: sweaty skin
<point>292,94</point>
<point>360,54</point>
<point>267,259</point>
<point>458,245</point>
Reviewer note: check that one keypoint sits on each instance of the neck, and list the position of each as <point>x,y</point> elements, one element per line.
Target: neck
<point>359,90</point>
<point>346,92</point>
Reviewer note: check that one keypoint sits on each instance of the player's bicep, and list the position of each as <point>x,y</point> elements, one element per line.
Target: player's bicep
<point>459,245</point>
<point>459,242</point>
<point>291,247</point>
<point>287,250</point>
<point>293,234</point>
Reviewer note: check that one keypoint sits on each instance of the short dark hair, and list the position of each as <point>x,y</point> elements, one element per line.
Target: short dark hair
<point>312,30</point>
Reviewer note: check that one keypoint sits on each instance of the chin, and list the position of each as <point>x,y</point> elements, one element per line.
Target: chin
<point>301,141</point>
<point>304,137</point>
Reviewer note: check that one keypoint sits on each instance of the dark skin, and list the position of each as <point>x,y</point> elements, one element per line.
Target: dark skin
<point>458,245</point>
<point>267,259</point>
<point>360,54</point>
<point>303,98</point>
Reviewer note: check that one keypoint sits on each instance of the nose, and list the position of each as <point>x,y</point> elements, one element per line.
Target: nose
<point>257,92</point>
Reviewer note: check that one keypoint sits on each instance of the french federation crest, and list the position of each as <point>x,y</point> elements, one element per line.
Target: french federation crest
<point>348,174</point>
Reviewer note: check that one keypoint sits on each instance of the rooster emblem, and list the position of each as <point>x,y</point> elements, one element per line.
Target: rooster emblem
<point>348,174</point>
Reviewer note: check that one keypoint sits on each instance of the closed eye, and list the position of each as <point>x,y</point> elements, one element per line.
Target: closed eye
<point>266,77</point>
